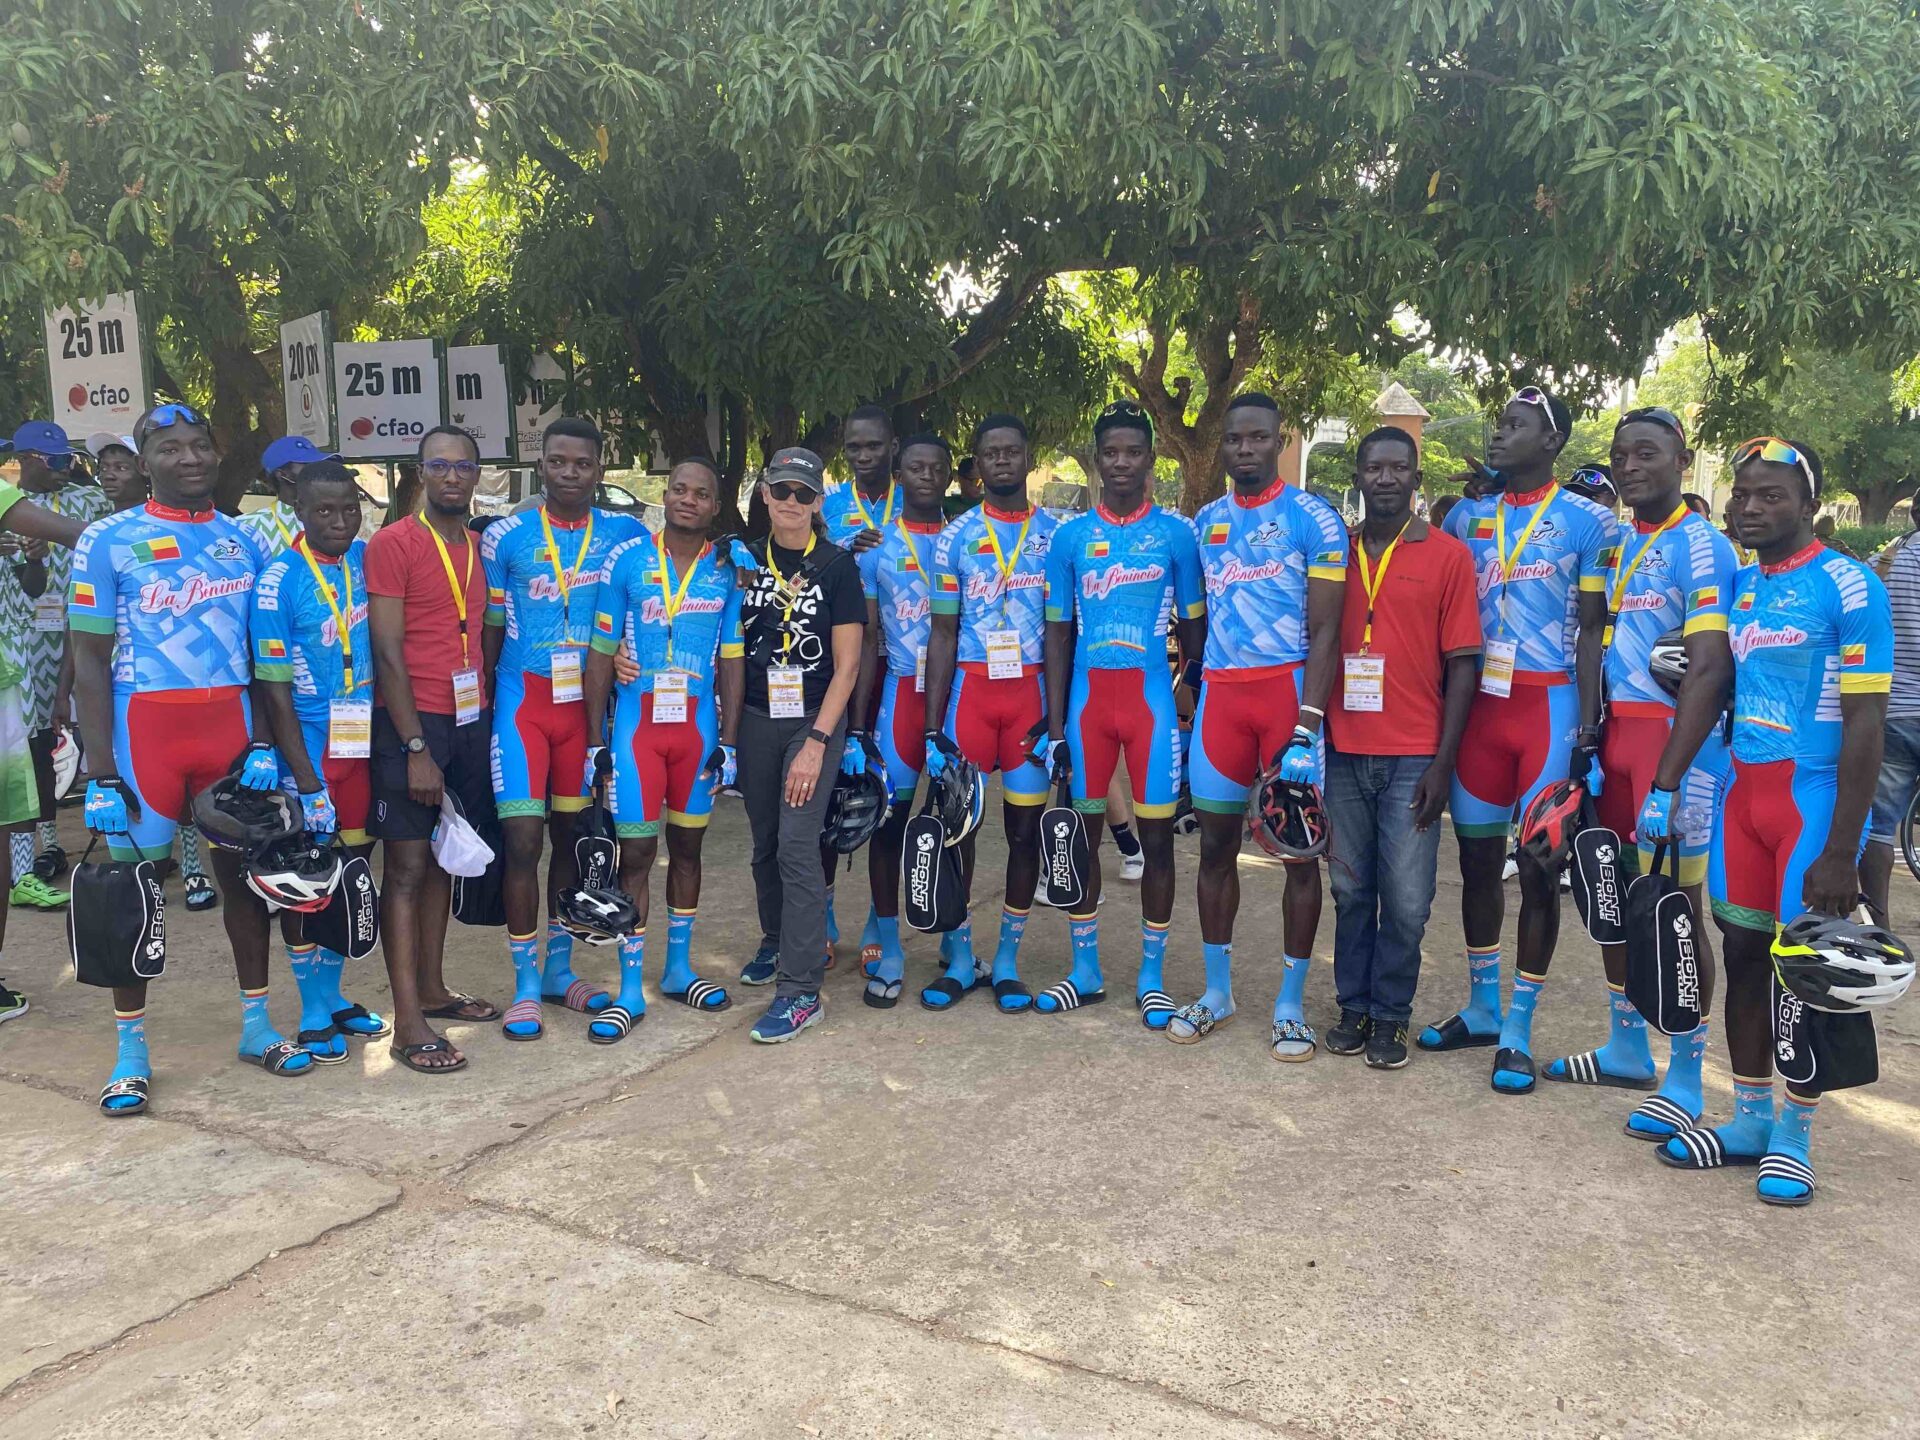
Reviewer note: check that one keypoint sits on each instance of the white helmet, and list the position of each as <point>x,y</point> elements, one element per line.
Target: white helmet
<point>1841,965</point>
<point>66,762</point>
<point>293,873</point>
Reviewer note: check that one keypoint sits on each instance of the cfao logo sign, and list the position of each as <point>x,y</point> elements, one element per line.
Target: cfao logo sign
<point>97,364</point>
<point>388,394</point>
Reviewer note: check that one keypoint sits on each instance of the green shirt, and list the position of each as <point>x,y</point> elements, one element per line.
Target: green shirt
<point>16,610</point>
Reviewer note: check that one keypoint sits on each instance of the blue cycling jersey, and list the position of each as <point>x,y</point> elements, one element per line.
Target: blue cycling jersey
<point>1804,633</point>
<point>990,569</point>
<point>642,589</point>
<point>1120,577</point>
<point>1259,554</point>
<point>175,590</point>
<point>846,512</point>
<point>296,635</point>
<point>543,591</point>
<point>1662,579</point>
<point>895,575</point>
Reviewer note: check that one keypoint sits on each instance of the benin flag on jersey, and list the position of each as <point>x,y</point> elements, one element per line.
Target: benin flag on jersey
<point>1098,550</point>
<point>1219,534</point>
<point>1483,528</point>
<point>983,546</point>
<point>1853,656</point>
<point>948,584</point>
<point>273,649</point>
<point>161,547</point>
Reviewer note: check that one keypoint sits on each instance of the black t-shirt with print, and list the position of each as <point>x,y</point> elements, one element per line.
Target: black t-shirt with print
<point>827,594</point>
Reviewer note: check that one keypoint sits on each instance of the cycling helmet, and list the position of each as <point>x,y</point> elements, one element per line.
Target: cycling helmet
<point>1840,965</point>
<point>293,873</point>
<point>66,762</point>
<point>1548,823</point>
<point>1288,820</point>
<point>1668,661</point>
<point>597,917</point>
<point>958,797</point>
<point>234,817</point>
<point>856,807</point>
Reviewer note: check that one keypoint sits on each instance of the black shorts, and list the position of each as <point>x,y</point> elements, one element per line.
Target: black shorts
<point>40,746</point>
<point>463,754</point>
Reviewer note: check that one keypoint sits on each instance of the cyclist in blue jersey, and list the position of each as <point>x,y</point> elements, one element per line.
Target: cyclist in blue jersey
<point>1812,639</point>
<point>543,577</point>
<point>1114,576</point>
<point>673,601</point>
<point>313,677</point>
<point>895,577</point>
<point>1541,556</point>
<point>1276,571</point>
<point>985,696</point>
<point>1661,756</point>
<point>159,607</point>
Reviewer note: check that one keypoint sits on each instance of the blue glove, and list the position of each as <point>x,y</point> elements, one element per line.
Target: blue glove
<point>318,813</point>
<point>724,765</point>
<point>1048,753</point>
<point>740,556</point>
<point>1300,762</point>
<point>598,762</point>
<point>875,761</point>
<point>1655,821</point>
<point>261,768</point>
<point>1583,763</point>
<point>939,751</point>
<point>106,809</point>
<point>852,758</point>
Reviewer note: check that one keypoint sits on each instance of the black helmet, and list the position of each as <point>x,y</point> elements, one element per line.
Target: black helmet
<point>958,796</point>
<point>1840,965</point>
<point>234,817</point>
<point>596,917</point>
<point>1288,820</point>
<point>293,873</point>
<point>856,807</point>
<point>1667,661</point>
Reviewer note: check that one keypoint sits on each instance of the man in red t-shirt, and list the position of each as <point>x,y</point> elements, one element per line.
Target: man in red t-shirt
<point>1409,639</point>
<point>426,600</point>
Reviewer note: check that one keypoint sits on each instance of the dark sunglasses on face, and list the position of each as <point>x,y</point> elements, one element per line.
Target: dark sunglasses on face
<point>441,469</point>
<point>790,490</point>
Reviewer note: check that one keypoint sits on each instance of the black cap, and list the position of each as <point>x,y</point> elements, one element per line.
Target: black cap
<point>796,462</point>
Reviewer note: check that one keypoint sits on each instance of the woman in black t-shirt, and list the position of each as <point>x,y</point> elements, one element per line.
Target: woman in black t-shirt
<point>803,614</point>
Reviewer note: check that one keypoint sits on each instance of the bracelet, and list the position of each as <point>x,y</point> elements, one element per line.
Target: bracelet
<point>1314,710</point>
<point>816,735</point>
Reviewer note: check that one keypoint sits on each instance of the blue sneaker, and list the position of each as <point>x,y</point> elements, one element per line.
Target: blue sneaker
<point>787,1017</point>
<point>761,969</point>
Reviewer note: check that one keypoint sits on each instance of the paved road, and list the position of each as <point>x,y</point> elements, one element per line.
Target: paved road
<point>910,1224</point>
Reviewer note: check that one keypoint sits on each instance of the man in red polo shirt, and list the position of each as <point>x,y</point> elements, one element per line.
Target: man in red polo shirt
<point>1409,639</point>
<point>426,601</point>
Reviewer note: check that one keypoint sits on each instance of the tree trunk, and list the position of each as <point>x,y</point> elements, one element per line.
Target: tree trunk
<point>1878,499</point>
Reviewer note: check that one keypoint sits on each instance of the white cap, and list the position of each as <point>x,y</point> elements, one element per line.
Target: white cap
<point>101,439</point>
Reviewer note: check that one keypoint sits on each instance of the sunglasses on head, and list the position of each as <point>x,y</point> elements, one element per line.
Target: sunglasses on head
<point>1534,395</point>
<point>791,490</point>
<point>1776,451</point>
<point>165,417</point>
<point>441,469</point>
<point>1658,415</point>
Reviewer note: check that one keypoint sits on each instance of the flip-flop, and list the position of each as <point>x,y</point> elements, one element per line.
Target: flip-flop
<point>278,1056</point>
<point>1068,996</point>
<point>951,988</point>
<point>1155,1000</point>
<point>458,1007</point>
<point>882,994</point>
<point>1509,1061</point>
<point>1661,1111</point>
<point>698,993</point>
<point>618,1016</point>
<point>407,1055</point>
<point>1584,1069</point>
<point>523,1012</point>
<point>1454,1035</point>
<point>310,1038</point>
<point>134,1085</point>
<point>1005,990</point>
<point>344,1021</point>
<point>579,997</point>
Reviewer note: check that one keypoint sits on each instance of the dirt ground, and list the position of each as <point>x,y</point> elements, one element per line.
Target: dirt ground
<point>909,1223</point>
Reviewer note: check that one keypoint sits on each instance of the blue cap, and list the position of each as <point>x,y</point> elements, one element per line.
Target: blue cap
<point>41,436</point>
<point>292,450</point>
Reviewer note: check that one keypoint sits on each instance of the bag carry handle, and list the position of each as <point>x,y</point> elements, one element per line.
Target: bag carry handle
<point>1668,850</point>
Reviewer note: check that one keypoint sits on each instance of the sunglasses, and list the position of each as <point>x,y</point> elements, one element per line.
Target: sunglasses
<point>1659,415</point>
<point>1592,475</point>
<point>165,417</point>
<point>441,469</point>
<point>1776,451</point>
<point>791,490</point>
<point>1534,395</point>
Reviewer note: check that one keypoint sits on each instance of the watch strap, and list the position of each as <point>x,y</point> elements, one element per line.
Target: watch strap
<point>817,735</point>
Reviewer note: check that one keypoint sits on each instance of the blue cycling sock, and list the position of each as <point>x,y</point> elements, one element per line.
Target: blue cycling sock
<point>1006,955</point>
<point>1292,1001</point>
<point>886,934</point>
<point>1792,1135</point>
<point>633,964</point>
<point>1681,1086</point>
<point>1746,1135</point>
<point>257,1032</point>
<point>525,953</point>
<point>870,932</point>
<point>314,978</point>
<point>1153,956</point>
<point>1085,933</point>
<point>130,1030</point>
<point>1218,996</point>
<point>679,972</point>
<point>833,921</point>
<point>1626,1051</point>
<point>956,949</point>
<point>556,971</point>
<point>1516,1033</point>
<point>21,848</point>
<point>1483,987</point>
<point>330,968</point>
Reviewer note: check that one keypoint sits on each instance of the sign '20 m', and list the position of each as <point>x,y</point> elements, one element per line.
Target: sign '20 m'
<point>389,393</point>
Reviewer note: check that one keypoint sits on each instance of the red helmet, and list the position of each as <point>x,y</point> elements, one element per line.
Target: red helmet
<point>1287,820</point>
<point>1549,821</point>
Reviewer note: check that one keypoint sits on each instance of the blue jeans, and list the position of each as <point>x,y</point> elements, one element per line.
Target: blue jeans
<point>1383,881</point>
<point>1899,771</point>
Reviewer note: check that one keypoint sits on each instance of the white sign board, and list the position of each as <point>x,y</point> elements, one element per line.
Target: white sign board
<point>306,377</point>
<point>388,394</point>
<point>478,398</point>
<point>97,366</point>
<point>538,404</point>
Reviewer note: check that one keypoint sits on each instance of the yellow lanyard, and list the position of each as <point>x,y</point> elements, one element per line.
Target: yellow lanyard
<point>912,549</point>
<point>455,584</point>
<point>565,580</point>
<point>672,599</point>
<point>342,624</point>
<point>1000,561</point>
<point>780,582</point>
<point>1621,577</point>
<point>886,513</point>
<point>1508,561</point>
<point>1373,581</point>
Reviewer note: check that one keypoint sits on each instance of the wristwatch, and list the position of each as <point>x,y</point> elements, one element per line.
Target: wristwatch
<point>414,746</point>
<point>816,735</point>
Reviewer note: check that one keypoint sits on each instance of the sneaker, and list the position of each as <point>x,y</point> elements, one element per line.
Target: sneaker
<point>12,1003</point>
<point>200,892</point>
<point>1387,1046</point>
<point>32,890</point>
<point>50,864</point>
<point>1133,866</point>
<point>787,1016</point>
<point>761,969</point>
<point>1349,1037</point>
<point>1510,869</point>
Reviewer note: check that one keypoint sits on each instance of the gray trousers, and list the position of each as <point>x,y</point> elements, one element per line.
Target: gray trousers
<point>787,879</point>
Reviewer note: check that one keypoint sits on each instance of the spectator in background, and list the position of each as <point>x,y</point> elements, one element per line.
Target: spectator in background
<point>1824,531</point>
<point>967,490</point>
<point>1437,516</point>
<point>1595,482</point>
<point>1900,762</point>
<point>1696,503</point>
<point>117,468</point>
<point>1883,558</point>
